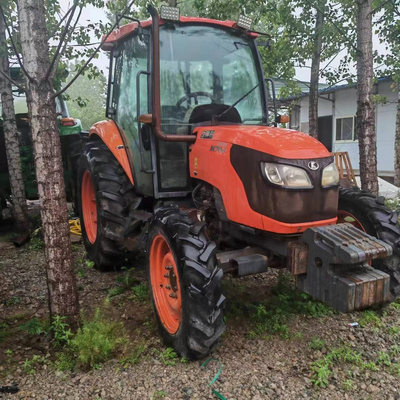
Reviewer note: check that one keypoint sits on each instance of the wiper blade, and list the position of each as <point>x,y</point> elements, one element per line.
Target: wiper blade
<point>238,101</point>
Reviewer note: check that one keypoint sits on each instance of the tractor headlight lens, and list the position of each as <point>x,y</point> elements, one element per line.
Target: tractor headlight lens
<point>287,176</point>
<point>330,175</point>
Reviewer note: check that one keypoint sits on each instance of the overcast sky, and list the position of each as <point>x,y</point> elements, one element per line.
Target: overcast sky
<point>92,14</point>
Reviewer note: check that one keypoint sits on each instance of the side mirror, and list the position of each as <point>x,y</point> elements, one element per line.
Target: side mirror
<point>282,119</point>
<point>146,118</point>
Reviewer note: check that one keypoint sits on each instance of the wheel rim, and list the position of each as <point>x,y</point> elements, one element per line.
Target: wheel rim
<point>89,207</point>
<point>165,285</point>
<point>344,216</point>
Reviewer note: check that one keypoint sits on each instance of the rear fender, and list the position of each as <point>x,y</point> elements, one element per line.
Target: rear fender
<point>109,133</point>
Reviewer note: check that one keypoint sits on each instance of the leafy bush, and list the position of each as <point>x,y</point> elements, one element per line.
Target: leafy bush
<point>96,341</point>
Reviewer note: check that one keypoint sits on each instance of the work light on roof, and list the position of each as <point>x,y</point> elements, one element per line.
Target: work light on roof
<point>169,13</point>
<point>245,22</point>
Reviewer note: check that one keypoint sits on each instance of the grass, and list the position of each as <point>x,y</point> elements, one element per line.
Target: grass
<point>370,318</point>
<point>29,366</point>
<point>135,356</point>
<point>317,344</point>
<point>159,394</point>
<point>124,282</point>
<point>96,340</point>
<point>141,292</point>
<point>272,317</point>
<point>34,327</point>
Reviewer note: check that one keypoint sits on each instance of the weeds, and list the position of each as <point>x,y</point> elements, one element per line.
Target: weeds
<point>96,341</point>
<point>34,327</point>
<point>61,331</point>
<point>36,244</point>
<point>124,282</point>
<point>321,369</point>
<point>89,263</point>
<point>348,384</point>
<point>370,318</point>
<point>273,316</point>
<point>168,356</point>
<point>12,301</point>
<point>317,344</point>
<point>30,365</point>
<point>64,362</point>
<point>159,394</point>
<point>134,356</point>
<point>141,292</point>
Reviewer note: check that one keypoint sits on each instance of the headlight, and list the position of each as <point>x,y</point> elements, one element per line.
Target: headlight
<point>330,176</point>
<point>286,175</point>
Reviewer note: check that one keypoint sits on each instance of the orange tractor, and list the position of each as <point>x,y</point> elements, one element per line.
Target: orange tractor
<point>191,165</point>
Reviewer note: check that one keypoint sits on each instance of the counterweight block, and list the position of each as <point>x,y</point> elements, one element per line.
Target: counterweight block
<point>338,270</point>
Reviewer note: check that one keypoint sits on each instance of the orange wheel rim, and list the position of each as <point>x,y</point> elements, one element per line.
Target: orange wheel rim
<point>344,216</point>
<point>165,285</point>
<point>89,207</point>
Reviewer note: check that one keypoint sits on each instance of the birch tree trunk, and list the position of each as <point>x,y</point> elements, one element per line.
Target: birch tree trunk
<point>315,64</point>
<point>397,144</point>
<point>365,106</point>
<point>20,211</point>
<point>61,281</point>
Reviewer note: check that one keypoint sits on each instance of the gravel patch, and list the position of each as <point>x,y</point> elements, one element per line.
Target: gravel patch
<point>269,367</point>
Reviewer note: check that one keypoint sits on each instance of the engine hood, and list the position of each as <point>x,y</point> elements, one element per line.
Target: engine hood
<point>283,143</point>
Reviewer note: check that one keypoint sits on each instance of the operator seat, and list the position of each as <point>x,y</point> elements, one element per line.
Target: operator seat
<point>204,113</point>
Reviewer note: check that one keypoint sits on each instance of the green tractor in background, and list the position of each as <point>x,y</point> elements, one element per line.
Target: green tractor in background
<point>69,129</point>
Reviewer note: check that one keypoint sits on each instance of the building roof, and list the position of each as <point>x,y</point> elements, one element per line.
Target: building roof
<point>330,89</point>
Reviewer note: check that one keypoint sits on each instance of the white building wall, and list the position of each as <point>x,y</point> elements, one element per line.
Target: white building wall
<point>345,105</point>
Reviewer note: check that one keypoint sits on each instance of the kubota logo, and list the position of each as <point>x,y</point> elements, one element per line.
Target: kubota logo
<point>313,165</point>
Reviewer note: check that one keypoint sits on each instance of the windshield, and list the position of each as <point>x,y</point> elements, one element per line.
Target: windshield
<point>203,65</point>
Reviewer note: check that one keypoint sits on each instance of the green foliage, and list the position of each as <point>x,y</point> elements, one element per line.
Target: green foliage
<point>61,332</point>
<point>12,301</point>
<point>273,316</point>
<point>34,327</point>
<point>89,263</point>
<point>348,384</point>
<point>96,341</point>
<point>36,244</point>
<point>29,366</point>
<point>322,368</point>
<point>317,344</point>
<point>141,292</point>
<point>159,394</point>
<point>91,107</point>
<point>370,318</point>
<point>4,331</point>
<point>65,361</point>
<point>168,356</point>
<point>134,357</point>
<point>116,291</point>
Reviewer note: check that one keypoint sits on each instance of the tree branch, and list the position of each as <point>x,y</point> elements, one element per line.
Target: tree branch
<point>95,52</point>
<point>67,41</point>
<point>21,88</point>
<point>62,20</point>
<point>61,42</point>
<point>13,44</point>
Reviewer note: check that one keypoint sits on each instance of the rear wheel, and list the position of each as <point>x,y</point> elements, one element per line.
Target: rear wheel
<point>368,213</point>
<point>105,197</point>
<point>185,283</point>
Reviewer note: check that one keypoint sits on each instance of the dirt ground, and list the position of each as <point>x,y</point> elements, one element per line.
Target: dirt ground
<point>284,360</point>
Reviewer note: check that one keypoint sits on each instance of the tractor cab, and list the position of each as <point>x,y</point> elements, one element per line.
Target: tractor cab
<point>209,74</point>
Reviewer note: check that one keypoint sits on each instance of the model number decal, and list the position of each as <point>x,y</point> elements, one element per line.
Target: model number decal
<point>218,149</point>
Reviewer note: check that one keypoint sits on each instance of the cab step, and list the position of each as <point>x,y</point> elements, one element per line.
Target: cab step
<point>338,271</point>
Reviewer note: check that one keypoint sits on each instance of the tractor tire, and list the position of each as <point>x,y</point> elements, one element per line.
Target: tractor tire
<point>367,212</point>
<point>185,283</point>
<point>105,196</point>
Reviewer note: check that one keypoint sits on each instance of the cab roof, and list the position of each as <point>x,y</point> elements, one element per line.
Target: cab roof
<point>126,30</point>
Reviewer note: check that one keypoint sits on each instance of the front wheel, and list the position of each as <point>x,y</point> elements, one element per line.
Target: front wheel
<point>185,283</point>
<point>368,213</point>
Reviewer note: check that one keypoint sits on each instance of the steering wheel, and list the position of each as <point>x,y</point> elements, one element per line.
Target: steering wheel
<point>195,95</point>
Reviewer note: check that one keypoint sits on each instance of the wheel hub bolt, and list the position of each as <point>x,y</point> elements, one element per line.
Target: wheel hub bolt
<point>169,267</point>
<point>166,276</point>
<point>173,295</point>
<point>168,287</point>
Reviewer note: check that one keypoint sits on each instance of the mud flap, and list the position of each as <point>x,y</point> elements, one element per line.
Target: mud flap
<point>338,270</point>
